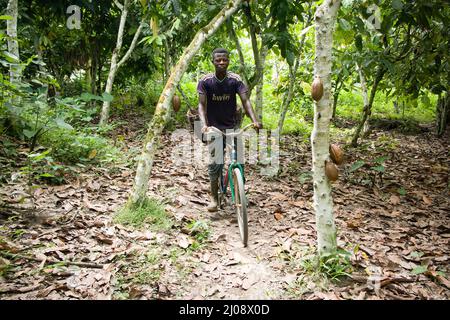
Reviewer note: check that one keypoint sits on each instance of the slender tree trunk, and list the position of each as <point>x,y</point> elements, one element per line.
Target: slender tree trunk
<point>115,57</point>
<point>145,163</point>
<point>235,39</point>
<point>15,69</point>
<point>42,67</point>
<point>259,69</point>
<point>325,19</point>
<point>337,90</point>
<point>365,95</point>
<point>260,85</point>
<point>442,113</point>
<point>287,97</point>
<point>368,108</point>
<point>94,68</point>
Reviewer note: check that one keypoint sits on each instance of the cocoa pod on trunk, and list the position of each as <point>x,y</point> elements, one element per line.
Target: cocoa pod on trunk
<point>317,89</point>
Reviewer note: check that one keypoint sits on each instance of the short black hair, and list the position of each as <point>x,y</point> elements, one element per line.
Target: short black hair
<point>219,50</point>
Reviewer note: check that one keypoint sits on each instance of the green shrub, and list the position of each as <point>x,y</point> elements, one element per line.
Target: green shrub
<point>69,146</point>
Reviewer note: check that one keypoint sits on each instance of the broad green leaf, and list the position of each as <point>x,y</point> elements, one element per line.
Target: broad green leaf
<point>401,191</point>
<point>46,175</point>
<point>425,100</point>
<point>397,4</point>
<point>86,96</point>
<point>107,97</point>
<point>378,168</point>
<point>345,25</point>
<point>28,133</point>
<point>5,17</point>
<point>381,159</point>
<point>359,24</point>
<point>306,87</point>
<point>416,254</point>
<point>39,156</point>
<point>10,57</point>
<point>63,125</point>
<point>419,270</point>
<point>176,25</point>
<point>290,57</point>
<point>356,165</point>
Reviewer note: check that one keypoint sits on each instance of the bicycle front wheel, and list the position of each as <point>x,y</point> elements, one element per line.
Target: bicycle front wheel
<point>240,203</point>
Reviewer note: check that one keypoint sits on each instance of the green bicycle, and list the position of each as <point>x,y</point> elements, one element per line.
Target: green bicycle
<point>234,176</point>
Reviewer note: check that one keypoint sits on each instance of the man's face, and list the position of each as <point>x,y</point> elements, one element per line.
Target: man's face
<point>221,61</point>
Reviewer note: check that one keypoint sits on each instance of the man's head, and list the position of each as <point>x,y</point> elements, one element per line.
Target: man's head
<point>220,59</point>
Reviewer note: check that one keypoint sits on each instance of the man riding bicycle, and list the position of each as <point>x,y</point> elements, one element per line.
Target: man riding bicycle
<point>217,107</point>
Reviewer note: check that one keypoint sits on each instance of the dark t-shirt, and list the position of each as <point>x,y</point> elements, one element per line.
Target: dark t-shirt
<point>221,98</point>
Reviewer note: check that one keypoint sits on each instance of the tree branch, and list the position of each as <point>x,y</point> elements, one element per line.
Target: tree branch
<point>132,45</point>
<point>118,4</point>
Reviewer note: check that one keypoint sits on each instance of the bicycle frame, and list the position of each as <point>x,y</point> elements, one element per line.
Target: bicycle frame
<point>228,178</point>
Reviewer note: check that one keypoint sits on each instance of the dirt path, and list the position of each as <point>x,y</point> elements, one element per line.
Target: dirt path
<point>395,224</point>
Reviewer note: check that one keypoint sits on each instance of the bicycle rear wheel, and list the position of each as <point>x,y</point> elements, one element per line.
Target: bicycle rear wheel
<point>240,203</point>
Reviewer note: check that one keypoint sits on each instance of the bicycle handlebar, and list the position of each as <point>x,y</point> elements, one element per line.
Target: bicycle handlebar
<point>231,134</point>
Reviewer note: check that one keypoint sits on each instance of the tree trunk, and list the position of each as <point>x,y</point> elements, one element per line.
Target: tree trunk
<point>115,57</point>
<point>287,97</point>
<point>442,113</point>
<point>15,69</point>
<point>365,95</point>
<point>42,67</point>
<point>259,86</point>
<point>337,90</point>
<point>145,163</point>
<point>325,19</point>
<point>368,108</point>
<point>259,68</point>
<point>233,35</point>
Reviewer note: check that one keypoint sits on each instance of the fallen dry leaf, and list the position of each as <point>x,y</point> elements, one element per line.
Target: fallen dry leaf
<point>183,241</point>
<point>427,200</point>
<point>394,200</point>
<point>278,216</point>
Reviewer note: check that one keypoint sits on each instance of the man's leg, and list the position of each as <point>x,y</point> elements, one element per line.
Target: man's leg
<point>215,166</point>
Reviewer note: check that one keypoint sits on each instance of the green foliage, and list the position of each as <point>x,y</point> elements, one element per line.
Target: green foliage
<point>72,147</point>
<point>149,213</point>
<point>41,166</point>
<point>200,230</point>
<point>333,266</point>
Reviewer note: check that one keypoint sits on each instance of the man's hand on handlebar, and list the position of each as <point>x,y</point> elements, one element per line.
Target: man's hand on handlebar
<point>257,125</point>
<point>205,129</point>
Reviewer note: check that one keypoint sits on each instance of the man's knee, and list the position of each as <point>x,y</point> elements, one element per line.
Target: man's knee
<point>214,171</point>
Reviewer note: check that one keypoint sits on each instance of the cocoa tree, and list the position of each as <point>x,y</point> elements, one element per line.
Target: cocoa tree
<point>325,18</point>
<point>289,94</point>
<point>115,64</point>
<point>13,45</point>
<point>150,145</point>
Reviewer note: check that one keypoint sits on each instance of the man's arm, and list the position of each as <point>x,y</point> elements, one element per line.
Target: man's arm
<point>202,111</point>
<point>246,104</point>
